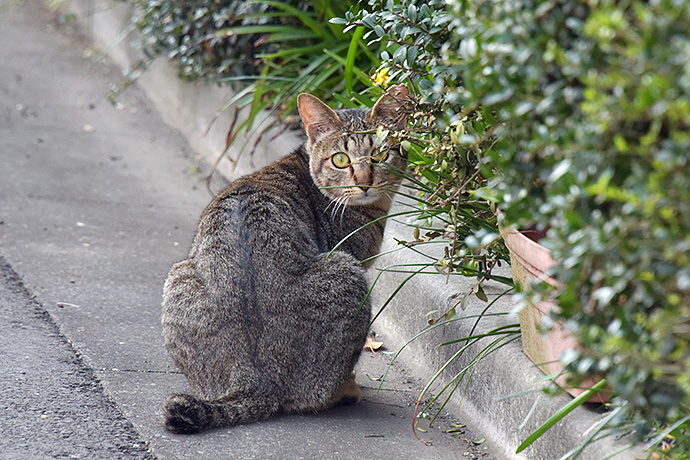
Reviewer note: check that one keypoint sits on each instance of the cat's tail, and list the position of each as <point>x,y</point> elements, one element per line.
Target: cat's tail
<point>186,414</point>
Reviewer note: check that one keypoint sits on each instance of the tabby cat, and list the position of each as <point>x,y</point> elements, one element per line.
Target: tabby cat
<point>260,318</point>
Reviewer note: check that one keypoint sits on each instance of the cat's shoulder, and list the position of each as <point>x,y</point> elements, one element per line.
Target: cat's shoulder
<point>277,183</point>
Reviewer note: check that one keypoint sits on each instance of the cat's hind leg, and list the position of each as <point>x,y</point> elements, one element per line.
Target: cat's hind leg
<point>331,306</point>
<point>348,393</point>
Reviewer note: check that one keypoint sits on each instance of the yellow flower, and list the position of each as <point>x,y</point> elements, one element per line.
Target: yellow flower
<point>381,78</point>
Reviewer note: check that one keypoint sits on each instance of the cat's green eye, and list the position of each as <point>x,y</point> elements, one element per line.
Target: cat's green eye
<point>340,160</point>
<point>380,157</point>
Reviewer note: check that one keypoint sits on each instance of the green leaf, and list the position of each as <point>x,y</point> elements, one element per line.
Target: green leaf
<point>481,295</point>
<point>350,60</point>
<point>558,416</point>
<point>291,35</point>
<point>361,76</point>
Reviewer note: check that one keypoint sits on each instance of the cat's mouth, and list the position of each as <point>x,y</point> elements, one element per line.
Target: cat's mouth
<point>356,195</point>
<point>365,196</point>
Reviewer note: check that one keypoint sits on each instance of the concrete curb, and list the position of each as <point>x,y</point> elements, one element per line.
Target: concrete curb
<point>190,108</point>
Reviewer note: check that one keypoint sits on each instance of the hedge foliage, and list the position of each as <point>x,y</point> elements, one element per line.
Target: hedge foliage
<point>269,51</point>
<point>587,107</point>
<point>186,32</point>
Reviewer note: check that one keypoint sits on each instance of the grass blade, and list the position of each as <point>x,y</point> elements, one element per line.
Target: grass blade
<point>298,34</point>
<point>313,25</point>
<point>350,60</point>
<point>591,438</point>
<point>558,416</point>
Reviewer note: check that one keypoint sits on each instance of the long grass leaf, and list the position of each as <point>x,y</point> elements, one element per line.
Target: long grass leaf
<point>266,29</point>
<point>558,416</point>
<point>471,367</point>
<point>350,60</point>
<point>322,77</point>
<point>289,35</point>
<point>503,330</point>
<point>390,297</point>
<point>488,306</point>
<point>361,76</point>
<point>315,26</point>
<point>292,51</point>
<point>373,222</point>
<point>532,409</point>
<point>431,328</point>
<point>573,454</point>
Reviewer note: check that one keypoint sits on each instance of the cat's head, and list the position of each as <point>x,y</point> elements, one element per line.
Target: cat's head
<point>346,161</point>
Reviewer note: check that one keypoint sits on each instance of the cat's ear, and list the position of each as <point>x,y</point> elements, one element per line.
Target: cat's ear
<point>389,110</point>
<point>317,117</point>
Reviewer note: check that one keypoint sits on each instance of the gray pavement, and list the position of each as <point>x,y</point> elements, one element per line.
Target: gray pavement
<point>96,203</point>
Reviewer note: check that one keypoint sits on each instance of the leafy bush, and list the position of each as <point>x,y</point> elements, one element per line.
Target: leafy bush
<point>445,141</point>
<point>185,31</point>
<point>269,51</point>
<point>578,114</point>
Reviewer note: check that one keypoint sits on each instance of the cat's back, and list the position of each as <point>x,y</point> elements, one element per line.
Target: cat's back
<point>284,184</point>
<point>267,217</point>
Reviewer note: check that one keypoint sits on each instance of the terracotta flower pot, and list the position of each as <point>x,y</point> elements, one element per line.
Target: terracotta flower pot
<point>529,262</point>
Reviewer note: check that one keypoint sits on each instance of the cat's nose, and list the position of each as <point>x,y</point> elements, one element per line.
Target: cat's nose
<point>364,183</point>
<point>363,177</point>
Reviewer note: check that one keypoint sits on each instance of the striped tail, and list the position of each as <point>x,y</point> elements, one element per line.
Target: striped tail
<point>185,414</point>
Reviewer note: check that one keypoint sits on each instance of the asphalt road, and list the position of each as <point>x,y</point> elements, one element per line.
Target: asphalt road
<point>52,404</point>
<point>96,203</point>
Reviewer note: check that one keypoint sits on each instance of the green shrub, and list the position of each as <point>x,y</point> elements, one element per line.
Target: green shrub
<point>445,141</point>
<point>269,51</point>
<point>185,31</point>
<point>578,114</point>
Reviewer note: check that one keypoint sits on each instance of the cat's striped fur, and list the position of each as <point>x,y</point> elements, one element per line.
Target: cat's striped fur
<point>258,317</point>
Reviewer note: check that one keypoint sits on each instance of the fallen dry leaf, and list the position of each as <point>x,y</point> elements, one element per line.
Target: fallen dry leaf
<point>371,344</point>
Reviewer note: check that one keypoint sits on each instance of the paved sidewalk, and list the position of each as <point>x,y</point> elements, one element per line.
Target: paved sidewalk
<point>96,203</point>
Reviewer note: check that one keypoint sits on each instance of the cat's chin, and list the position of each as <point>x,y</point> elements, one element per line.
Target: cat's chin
<point>365,200</point>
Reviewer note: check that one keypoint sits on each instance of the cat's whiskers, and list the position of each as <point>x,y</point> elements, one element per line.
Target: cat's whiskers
<point>339,202</point>
<point>332,203</point>
<point>388,196</point>
<point>346,202</point>
<point>333,206</point>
